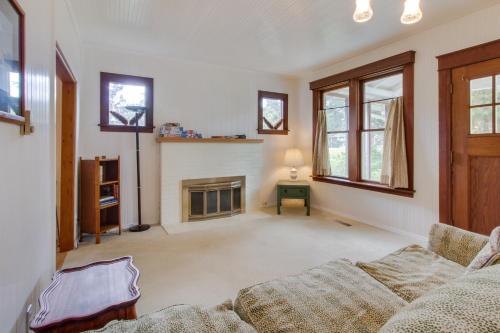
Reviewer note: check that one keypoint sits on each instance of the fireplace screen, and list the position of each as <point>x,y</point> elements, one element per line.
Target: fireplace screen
<point>212,198</point>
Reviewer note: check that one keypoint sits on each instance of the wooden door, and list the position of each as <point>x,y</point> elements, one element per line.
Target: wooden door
<point>476,146</point>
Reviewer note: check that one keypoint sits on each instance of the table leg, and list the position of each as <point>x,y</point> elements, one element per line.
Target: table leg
<point>278,204</point>
<point>308,201</point>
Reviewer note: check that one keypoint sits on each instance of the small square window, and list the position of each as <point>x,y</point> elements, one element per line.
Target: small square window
<point>124,98</point>
<point>272,113</point>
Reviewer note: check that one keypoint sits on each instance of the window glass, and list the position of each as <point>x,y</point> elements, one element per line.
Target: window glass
<point>481,120</point>
<point>377,96</point>
<point>481,91</point>
<point>384,88</point>
<point>121,96</point>
<point>337,144</point>
<point>372,149</point>
<point>497,127</point>
<point>336,98</point>
<point>497,89</point>
<point>336,106</point>
<point>272,112</point>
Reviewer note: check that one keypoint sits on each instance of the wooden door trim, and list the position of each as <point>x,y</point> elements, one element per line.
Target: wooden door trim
<point>68,150</point>
<point>446,64</point>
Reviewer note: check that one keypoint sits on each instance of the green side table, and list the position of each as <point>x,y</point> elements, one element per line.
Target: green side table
<point>289,189</point>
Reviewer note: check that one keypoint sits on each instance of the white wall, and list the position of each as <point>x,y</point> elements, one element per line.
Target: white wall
<point>27,173</point>
<point>388,211</point>
<point>214,100</point>
<point>27,183</point>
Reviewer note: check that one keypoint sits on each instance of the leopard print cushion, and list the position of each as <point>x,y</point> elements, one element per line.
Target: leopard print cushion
<point>455,244</point>
<point>412,271</point>
<point>183,319</point>
<point>469,304</point>
<point>489,254</point>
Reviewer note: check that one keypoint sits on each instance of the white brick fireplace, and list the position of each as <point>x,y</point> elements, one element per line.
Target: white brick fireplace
<point>194,160</point>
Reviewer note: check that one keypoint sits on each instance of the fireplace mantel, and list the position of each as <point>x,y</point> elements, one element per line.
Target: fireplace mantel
<point>207,140</point>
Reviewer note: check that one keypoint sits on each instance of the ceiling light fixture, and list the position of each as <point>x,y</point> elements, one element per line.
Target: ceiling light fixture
<point>363,12</point>
<point>412,12</point>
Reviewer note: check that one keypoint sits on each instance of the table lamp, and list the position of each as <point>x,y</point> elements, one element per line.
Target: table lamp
<point>293,159</point>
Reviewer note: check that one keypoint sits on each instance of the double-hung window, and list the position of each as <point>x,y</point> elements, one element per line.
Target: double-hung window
<point>357,104</point>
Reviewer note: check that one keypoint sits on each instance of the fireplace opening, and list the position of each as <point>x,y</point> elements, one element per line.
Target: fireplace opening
<point>211,198</point>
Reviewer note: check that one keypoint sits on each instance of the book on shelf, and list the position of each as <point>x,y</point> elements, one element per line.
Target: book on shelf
<point>102,204</point>
<point>107,198</point>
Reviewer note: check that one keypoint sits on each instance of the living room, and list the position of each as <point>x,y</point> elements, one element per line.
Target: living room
<point>243,166</point>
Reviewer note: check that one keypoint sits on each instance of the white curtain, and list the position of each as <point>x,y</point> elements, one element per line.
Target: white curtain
<point>321,154</point>
<point>394,163</point>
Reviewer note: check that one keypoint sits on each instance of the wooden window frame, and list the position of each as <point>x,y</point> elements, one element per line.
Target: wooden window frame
<point>106,78</point>
<point>260,117</point>
<point>4,116</point>
<point>401,63</point>
<point>446,64</point>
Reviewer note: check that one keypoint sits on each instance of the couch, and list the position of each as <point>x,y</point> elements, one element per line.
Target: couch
<point>414,290</point>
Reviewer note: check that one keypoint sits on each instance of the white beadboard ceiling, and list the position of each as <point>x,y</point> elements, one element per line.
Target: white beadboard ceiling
<point>279,36</point>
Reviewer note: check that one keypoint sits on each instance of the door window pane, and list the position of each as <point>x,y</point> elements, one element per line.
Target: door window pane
<point>337,144</point>
<point>272,111</point>
<point>385,88</point>
<point>481,120</point>
<point>371,155</point>
<point>481,91</point>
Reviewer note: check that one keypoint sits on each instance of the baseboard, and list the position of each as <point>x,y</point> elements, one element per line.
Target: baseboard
<point>421,239</point>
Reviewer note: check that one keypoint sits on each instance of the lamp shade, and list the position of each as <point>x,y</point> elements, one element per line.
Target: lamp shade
<point>294,158</point>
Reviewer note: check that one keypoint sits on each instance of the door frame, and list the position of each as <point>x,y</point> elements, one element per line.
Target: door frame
<point>68,151</point>
<point>446,64</point>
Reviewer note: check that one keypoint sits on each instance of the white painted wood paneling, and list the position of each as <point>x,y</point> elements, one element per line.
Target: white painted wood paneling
<point>27,196</point>
<point>27,177</point>
<point>280,36</point>
<point>214,100</point>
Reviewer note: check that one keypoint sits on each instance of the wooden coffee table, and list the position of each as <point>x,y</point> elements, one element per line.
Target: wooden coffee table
<point>88,297</point>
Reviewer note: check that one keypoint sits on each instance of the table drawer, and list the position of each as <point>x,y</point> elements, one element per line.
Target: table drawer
<point>293,192</point>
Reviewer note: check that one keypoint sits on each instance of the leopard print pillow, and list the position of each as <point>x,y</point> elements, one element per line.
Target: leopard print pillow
<point>469,304</point>
<point>489,254</point>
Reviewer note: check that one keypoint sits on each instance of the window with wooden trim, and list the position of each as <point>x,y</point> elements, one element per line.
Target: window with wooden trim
<point>272,113</point>
<point>356,103</point>
<point>126,99</point>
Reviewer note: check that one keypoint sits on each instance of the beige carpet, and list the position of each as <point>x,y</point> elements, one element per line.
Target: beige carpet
<point>209,266</point>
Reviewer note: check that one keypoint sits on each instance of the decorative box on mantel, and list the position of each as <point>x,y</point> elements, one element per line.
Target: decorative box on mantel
<point>189,160</point>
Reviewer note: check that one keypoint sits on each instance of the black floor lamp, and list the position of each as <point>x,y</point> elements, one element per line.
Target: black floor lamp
<point>140,111</point>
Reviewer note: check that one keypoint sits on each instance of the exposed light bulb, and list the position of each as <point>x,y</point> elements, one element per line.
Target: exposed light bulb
<point>412,12</point>
<point>363,12</point>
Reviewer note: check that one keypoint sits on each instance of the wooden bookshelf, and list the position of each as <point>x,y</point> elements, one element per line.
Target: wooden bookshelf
<point>99,178</point>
